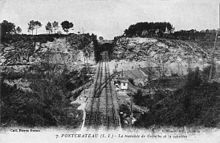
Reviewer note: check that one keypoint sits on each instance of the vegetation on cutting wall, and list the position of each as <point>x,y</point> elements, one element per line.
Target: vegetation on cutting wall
<point>46,103</point>
<point>194,104</point>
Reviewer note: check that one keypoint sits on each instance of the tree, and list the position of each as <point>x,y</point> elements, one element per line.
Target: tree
<point>149,29</point>
<point>55,25</point>
<point>66,25</point>
<point>31,26</point>
<point>37,25</point>
<point>49,27</point>
<point>18,30</point>
<point>34,25</point>
<point>7,28</point>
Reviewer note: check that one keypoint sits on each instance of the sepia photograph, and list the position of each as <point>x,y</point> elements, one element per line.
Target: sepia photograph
<point>110,71</point>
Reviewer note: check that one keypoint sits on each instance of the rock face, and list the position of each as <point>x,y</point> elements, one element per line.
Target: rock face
<point>169,50</point>
<point>161,52</point>
<point>57,52</point>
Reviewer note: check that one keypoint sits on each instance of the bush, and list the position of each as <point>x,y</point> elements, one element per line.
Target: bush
<point>194,104</point>
<point>47,104</point>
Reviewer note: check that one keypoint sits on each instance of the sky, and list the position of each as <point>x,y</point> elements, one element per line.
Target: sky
<point>109,18</point>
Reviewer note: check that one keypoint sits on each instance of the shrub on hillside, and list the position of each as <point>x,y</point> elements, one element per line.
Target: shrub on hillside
<point>195,104</point>
<point>47,104</point>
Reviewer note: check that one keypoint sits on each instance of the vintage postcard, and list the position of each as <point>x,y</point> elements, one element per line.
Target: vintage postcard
<point>109,71</point>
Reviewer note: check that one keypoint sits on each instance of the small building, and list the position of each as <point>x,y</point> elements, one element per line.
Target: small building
<point>124,84</point>
<point>121,83</point>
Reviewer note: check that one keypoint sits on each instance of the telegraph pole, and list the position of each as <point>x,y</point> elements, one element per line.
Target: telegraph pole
<point>214,48</point>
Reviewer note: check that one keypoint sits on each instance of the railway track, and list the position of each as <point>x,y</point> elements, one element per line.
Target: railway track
<point>113,120</point>
<point>102,109</point>
<point>92,117</point>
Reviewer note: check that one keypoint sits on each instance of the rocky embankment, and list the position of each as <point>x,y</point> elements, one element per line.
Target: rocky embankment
<point>175,54</point>
<point>38,79</point>
<point>58,51</point>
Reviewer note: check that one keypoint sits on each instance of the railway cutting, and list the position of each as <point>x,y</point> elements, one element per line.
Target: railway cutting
<point>102,106</point>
